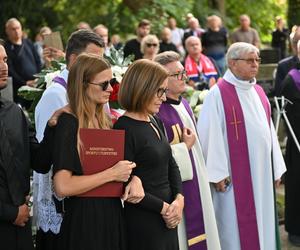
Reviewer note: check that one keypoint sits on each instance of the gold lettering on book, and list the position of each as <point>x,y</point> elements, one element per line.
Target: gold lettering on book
<point>101,151</point>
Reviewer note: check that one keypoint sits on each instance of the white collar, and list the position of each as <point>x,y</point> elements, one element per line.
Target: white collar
<point>64,74</point>
<point>242,84</point>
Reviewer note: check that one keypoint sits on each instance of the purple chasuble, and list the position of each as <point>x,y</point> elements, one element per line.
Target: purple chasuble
<point>193,212</point>
<point>60,81</point>
<point>240,164</point>
<point>295,74</point>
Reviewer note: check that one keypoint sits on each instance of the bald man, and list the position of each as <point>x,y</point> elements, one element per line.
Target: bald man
<point>245,33</point>
<point>200,69</point>
<point>23,59</point>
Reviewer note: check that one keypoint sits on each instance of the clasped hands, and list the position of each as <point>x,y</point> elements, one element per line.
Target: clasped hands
<point>172,213</point>
<point>222,185</point>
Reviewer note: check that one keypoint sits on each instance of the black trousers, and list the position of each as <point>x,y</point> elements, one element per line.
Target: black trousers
<point>14,237</point>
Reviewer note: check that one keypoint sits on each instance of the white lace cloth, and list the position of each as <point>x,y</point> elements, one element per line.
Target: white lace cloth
<point>44,208</point>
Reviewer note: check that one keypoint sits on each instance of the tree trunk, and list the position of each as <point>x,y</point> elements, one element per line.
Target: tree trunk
<point>218,5</point>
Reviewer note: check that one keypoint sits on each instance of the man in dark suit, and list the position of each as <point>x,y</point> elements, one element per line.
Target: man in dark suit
<point>23,59</point>
<point>285,65</point>
<point>133,46</point>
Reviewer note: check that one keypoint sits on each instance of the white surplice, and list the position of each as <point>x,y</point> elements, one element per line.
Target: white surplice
<point>261,141</point>
<point>45,215</point>
<point>212,238</point>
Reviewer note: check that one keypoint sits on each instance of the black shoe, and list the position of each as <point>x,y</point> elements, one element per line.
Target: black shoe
<point>295,240</point>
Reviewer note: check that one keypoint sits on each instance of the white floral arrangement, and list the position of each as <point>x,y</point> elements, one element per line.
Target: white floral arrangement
<point>195,99</point>
<point>44,80</point>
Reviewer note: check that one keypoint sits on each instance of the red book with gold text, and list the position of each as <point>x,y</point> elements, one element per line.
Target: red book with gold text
<point>100,150</point>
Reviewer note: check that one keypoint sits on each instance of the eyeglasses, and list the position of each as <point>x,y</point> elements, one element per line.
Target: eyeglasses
<point>149,45</point>
<point>104,85</point>
<point>250,60</point>
<point>161,91</point>
<point>180,75</point>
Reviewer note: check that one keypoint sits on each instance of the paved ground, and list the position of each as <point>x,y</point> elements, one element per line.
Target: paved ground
<point>284,241</point>
<point>284,238</point>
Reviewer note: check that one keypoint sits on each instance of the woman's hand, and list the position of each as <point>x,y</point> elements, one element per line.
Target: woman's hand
<point>173,213</point>
<point>134,191</point>
<point>122,170</point>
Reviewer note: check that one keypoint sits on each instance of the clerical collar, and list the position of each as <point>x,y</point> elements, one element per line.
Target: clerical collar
<point>242,84</point>
<point>172,101</point>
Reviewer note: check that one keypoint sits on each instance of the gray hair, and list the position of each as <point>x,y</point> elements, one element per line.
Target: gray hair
<point>167,57</point>
<point>11,20</point>
<point>237,50</point>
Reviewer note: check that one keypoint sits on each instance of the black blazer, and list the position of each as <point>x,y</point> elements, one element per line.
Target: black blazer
<point>284,66</point>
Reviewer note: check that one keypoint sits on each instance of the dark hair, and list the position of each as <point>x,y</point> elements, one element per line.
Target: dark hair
<point>144,22</point>
<point>79,40</point>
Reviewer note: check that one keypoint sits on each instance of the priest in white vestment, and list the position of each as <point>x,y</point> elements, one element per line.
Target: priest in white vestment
<point>240,148</point>
<point>198,229</point>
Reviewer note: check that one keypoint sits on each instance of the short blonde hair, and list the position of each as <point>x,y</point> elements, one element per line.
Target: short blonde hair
<point>149,39</point>
<point>140,83</point>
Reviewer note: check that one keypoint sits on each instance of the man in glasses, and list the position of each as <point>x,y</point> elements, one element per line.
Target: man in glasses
<point>242,154</point>
<point>199,228</point>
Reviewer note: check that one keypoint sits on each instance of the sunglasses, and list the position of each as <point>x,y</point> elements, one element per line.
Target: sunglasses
<point>104,85</point>
<point>149,45</point>
<point>161,91</point>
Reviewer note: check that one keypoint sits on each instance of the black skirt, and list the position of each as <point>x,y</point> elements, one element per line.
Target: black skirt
<point>92,224</point>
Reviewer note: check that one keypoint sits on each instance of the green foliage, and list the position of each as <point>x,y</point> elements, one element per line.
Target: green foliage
<point>262,13</point>
<point>122,16</point>
<point>32,14</point>
<point>293,13</point>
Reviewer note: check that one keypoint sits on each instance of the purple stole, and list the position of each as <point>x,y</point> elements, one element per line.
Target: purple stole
<point>240,164</point>
<point>60,81</point>
<point>192,209</point>
<point>295,74</point>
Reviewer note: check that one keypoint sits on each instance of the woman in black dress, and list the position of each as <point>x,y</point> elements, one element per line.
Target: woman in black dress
<point>152,223</point>
<point>88,223</point>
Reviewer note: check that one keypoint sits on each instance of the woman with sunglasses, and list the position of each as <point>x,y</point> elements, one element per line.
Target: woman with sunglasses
<point>89,223</point>
<point>150,47</point>
<point>152,223</point>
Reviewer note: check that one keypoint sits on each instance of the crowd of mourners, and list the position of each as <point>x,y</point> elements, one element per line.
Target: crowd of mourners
<point>203,184</point>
